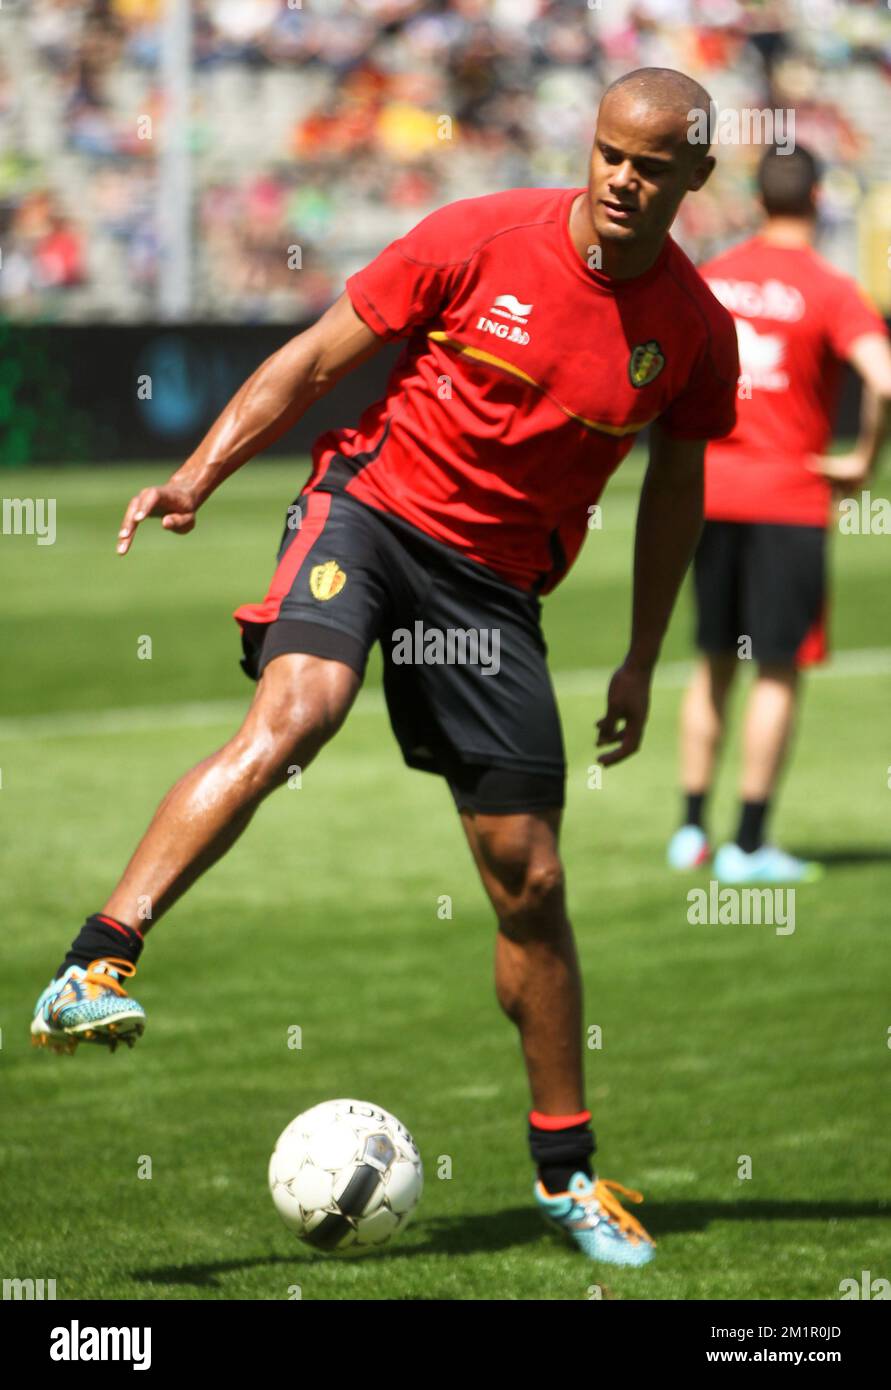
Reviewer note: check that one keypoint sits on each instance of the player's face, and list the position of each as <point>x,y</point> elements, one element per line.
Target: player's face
<point>642,165</point>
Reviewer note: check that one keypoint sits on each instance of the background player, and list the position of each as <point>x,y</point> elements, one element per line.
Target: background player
<point>760,565</point>
<point>564,320</point>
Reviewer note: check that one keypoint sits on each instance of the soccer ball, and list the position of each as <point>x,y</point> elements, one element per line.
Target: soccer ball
<point>345,1176</point>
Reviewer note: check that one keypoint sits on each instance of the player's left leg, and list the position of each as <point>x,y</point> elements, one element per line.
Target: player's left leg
<point>767,735</point>
<point>537,978</point>
<point>767,732</point>
<point>486,719</point>
<point>538,985</point>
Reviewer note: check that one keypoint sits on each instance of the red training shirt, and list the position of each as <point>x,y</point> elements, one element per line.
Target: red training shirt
<point>525,378</point>
<point>796,318</point>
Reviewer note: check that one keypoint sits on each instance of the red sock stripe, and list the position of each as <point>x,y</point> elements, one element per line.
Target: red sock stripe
<point>110,922</point>
<point>317,508</point>
<point>558,1121</point>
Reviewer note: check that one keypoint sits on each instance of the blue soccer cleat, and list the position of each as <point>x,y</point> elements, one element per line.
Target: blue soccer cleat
<point>764,865</point>
<point>595,1219</point>
<point>88,1006</point>
<point>688,848</point>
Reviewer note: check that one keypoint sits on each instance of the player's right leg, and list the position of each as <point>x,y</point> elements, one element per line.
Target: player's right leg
<point>767,736</point>
<point>307,643</point>
<point>702,732</point>
<point>716,572</point>
<point>300,702</point>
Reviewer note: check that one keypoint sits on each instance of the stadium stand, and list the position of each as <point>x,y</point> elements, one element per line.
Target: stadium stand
<point>333,125</point>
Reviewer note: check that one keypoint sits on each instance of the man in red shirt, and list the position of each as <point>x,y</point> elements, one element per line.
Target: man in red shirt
<point>544,329</point>
<point>759,568</point>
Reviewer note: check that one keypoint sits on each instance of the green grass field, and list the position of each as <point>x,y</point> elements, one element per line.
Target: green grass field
<point>717,1041</point>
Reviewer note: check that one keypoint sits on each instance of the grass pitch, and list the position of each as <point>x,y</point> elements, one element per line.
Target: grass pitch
<point>717,1042</point>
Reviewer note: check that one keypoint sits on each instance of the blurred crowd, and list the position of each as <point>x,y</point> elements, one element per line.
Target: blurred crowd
<point>321,129</point>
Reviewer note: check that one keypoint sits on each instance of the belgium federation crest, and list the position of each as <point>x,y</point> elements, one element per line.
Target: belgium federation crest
<point>645,363</point>
<point>327,580</point>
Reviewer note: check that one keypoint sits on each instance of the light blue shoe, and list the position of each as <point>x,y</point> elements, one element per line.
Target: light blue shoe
<point>688,848</point>
<point>764,865</point>
<point>88,1006</point>
<point>595,1219</point>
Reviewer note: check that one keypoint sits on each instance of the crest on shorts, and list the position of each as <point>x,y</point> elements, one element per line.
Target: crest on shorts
<point>645,363</point>
<point>327,580</point>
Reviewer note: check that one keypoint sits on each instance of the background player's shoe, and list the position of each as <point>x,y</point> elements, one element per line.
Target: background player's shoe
<point>88,1006</point>
<point>594,1217</point>
<point>765,865</point>
<point>688,848</point>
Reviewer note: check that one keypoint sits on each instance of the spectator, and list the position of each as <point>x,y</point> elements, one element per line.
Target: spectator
<point>334,126</point>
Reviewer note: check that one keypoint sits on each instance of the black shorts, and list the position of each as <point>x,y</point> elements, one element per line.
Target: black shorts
<point>465,673</point>
<point>766,582</point>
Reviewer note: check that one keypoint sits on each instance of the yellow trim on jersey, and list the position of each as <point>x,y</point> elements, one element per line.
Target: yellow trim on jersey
<point>480,355</point>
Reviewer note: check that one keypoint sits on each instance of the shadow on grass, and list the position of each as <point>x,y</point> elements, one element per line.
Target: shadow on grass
<point>503,1230</point>
<point>669,1218</point>
<point>852,854</point>
<point>455,1235</point>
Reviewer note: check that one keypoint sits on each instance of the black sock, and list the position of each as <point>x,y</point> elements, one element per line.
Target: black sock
<point>102,936</point>
<point>561,1145</point>
<point>695,807</point>
<point>750,835</point>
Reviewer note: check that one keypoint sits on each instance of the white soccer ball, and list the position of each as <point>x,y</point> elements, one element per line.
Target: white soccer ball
<point>345,1176</point>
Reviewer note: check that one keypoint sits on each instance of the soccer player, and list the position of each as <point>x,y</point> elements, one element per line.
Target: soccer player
<point>545,329</point>
<point>759,569</point>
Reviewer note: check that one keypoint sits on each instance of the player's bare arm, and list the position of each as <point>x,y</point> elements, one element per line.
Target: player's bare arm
<point>870,356</point>
<point>269,403</point>
<point>669,522</point>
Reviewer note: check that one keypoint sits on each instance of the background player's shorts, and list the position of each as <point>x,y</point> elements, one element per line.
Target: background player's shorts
<point>465,673</point>
<point>764,581</point>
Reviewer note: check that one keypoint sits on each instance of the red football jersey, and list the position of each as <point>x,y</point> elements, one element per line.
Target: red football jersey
<point>525,378</point>
<point>796,318</point>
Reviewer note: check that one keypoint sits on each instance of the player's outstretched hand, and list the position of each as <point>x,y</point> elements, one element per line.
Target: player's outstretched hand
<point>172,503</point>
<point>851,469</point>
<point>627,704</point>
